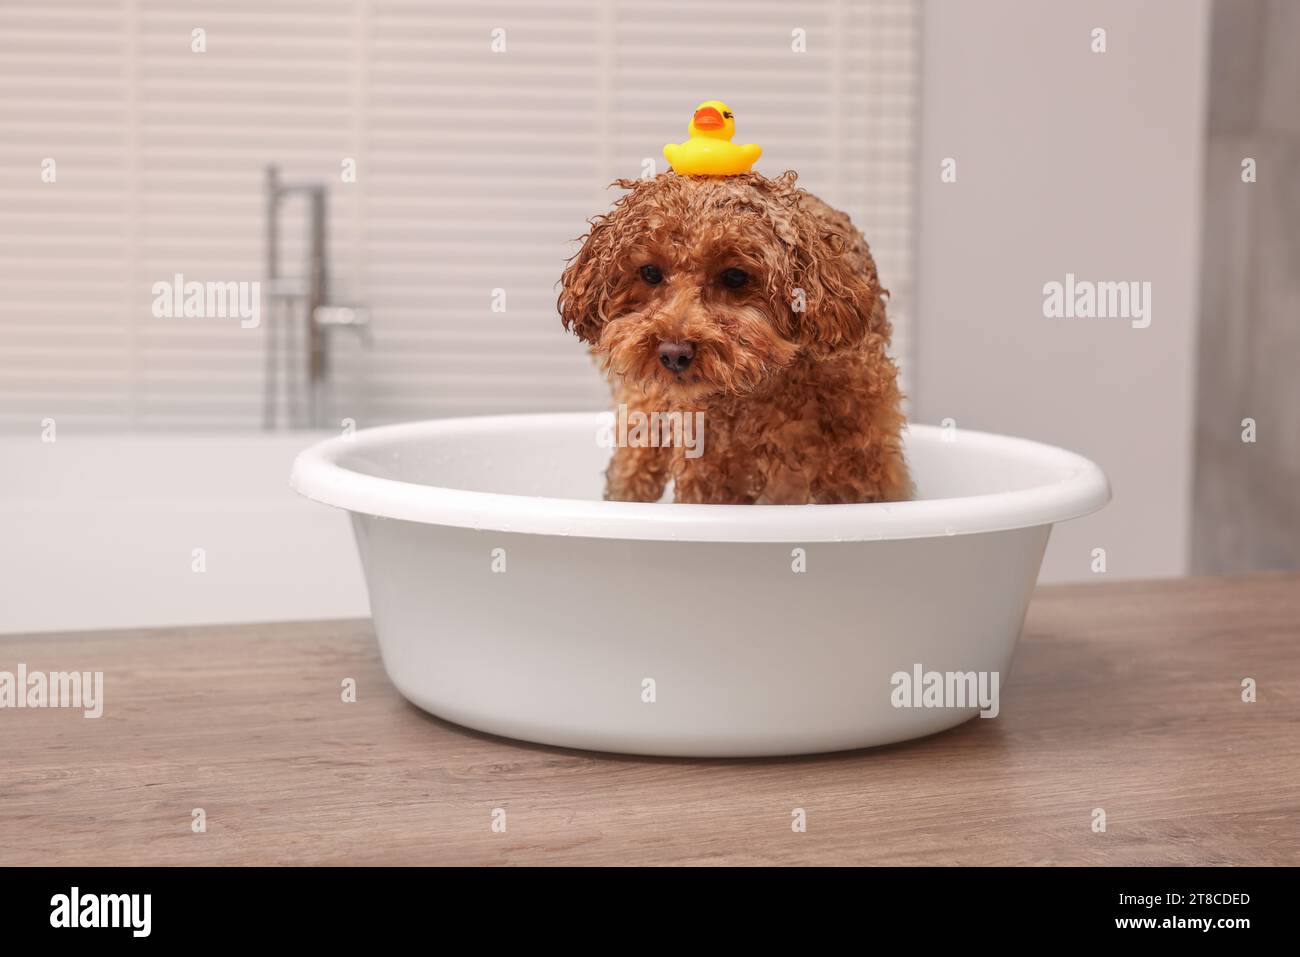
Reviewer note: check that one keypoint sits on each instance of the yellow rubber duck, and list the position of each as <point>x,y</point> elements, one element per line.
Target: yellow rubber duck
<point>709,151</point>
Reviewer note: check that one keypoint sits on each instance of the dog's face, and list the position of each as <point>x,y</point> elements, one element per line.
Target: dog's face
<point>702,286</point>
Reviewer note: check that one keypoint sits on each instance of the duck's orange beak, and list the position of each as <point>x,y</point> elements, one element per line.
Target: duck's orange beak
<point>707,118</point>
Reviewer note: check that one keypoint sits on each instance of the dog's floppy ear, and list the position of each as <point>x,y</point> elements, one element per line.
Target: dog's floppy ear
<point>835,296</point>
<point>843,302</point>
<point>583,287</point>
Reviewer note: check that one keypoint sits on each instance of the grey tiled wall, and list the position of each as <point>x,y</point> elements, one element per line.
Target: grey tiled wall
<point>1246,500</point>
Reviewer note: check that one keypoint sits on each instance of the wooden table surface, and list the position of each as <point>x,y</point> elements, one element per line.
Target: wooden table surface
<point>1126,697</point>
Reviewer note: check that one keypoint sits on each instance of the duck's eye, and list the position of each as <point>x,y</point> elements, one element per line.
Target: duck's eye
<point>727,116</point>
<point>651,274</point>
<point>734,278</point>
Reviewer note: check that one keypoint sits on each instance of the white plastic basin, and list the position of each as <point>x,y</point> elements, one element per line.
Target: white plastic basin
<point>509,598</point>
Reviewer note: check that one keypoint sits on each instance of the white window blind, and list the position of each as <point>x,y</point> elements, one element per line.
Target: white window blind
<point>475,171</point>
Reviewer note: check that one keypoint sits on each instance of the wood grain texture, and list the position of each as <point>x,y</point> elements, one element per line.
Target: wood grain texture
<point>1125,697</point>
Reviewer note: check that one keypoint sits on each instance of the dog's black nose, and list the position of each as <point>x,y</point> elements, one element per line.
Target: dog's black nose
<point>676,356</point>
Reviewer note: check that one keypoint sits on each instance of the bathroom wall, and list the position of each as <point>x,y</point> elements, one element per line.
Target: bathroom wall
<point>1246,503</point>
<point>1068,161</point>
<point>139,531</point>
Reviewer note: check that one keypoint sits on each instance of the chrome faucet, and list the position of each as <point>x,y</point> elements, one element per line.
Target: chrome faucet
<point>286,294</point>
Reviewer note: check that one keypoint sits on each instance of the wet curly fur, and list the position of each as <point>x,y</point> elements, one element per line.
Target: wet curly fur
<point>800,400</point>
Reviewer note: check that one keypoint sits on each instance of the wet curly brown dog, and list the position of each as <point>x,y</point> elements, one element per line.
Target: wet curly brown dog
<point>754,302</point>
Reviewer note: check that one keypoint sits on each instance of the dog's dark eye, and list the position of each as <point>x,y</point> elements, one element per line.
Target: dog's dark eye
<point>652,275</point>
<point>734,278</point>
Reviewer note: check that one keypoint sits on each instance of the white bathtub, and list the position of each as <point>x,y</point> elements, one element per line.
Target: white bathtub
<point>100,531</point>
<point>507,597</point>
